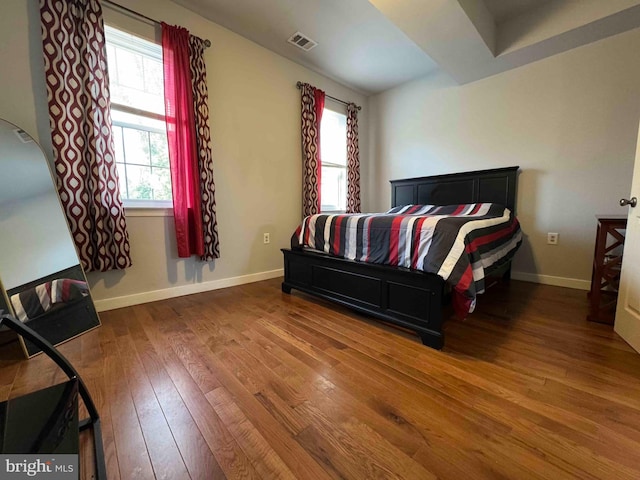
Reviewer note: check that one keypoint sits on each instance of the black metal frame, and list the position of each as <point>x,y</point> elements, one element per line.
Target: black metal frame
<point>93,421</point>
<point>404,297</point>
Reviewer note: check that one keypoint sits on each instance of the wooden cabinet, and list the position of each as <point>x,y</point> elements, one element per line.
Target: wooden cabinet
<point>607,262</point>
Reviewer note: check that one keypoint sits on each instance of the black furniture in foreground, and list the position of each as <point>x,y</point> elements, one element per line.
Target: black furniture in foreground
<point>44,421</point>
<point>404,297</point>
<point>42,437</point>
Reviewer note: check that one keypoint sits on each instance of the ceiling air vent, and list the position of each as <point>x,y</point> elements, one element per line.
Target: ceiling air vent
<point>300,40</point>
<point>22,135</point>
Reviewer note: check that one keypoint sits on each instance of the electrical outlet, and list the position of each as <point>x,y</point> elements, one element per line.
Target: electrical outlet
<point>266,238</point>
<point>552,238</point>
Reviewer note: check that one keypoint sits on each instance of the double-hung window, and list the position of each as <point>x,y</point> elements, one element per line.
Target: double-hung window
<point>138,118</point>
<point>333,149</point>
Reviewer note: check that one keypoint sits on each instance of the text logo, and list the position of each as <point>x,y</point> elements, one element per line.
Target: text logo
<point>49,467</point>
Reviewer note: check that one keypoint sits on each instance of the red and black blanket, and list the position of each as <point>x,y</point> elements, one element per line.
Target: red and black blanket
<point>460,243</point>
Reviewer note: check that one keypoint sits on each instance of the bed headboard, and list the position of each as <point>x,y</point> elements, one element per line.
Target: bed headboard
<point>497,185</point>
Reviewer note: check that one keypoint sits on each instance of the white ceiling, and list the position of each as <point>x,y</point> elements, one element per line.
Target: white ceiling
<point>375,45</point>
<point>357,45</point>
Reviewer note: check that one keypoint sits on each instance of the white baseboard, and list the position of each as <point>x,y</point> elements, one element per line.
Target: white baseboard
<point>152,296</point>
<point>551,280</point>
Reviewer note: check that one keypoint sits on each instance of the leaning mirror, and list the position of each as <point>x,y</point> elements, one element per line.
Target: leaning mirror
<point>39,268</point>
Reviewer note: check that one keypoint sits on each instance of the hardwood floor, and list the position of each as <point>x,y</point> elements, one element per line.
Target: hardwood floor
<point>248,382</point>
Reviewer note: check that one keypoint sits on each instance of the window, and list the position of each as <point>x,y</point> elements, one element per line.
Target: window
<point>333,148</point>
<point>137,110</point>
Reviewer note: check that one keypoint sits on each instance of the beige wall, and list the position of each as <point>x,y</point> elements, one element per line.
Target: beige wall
<point>570,121</point>
<point>254,108</point>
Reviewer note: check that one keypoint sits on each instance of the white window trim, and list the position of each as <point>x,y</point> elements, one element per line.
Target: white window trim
<point>335,165</point>
<point>139,204</point>
<point>332,209</point>
<point>133,207</point>
<point>148,208</point>
<point>147,211</point>
<point>141,113</point>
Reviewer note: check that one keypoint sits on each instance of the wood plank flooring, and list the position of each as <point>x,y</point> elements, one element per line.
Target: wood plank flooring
<point>248,382</point>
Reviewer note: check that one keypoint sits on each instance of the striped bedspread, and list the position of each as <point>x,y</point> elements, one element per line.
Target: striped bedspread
<point>460,243</point>
<point>34,302</point>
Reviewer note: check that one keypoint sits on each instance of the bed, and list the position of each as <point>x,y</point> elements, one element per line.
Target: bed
<point>402,296</point>
<point>47,297</point>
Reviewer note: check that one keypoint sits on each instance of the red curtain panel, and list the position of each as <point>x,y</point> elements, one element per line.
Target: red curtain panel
<point>80,117</point>
<point>203,142</point>
<point>181,136</point>
<point>353,160</point>
<point>312,100</point>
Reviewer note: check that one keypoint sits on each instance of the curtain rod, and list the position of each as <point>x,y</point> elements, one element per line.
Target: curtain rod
<point>207,43</point>
<point>299,86</point>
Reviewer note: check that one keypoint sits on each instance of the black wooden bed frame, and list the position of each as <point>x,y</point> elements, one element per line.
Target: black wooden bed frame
<point>404,297</point>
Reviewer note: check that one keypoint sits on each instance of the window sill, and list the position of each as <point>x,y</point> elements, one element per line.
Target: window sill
<point>148,212</point>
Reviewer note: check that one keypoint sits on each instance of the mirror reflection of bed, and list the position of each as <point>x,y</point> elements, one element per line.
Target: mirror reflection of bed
<point>44,284</point>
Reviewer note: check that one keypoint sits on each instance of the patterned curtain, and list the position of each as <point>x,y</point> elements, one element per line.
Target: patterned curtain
<point>312,108</point>
<point>188,136</point>
<point>203,141</point>
<point>80,118</point>
<point>353,160</point>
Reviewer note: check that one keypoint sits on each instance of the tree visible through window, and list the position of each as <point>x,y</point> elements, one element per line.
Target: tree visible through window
<point>333,148</point>
<point>137,110</point>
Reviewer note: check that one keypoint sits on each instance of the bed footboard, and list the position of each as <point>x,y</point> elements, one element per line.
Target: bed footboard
<point>400,296</point>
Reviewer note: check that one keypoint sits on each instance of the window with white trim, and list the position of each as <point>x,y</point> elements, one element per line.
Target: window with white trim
<point>138,118</point>
<point>333,149</point>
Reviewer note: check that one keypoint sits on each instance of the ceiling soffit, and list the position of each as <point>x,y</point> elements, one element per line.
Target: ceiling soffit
<point>473,39</point>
